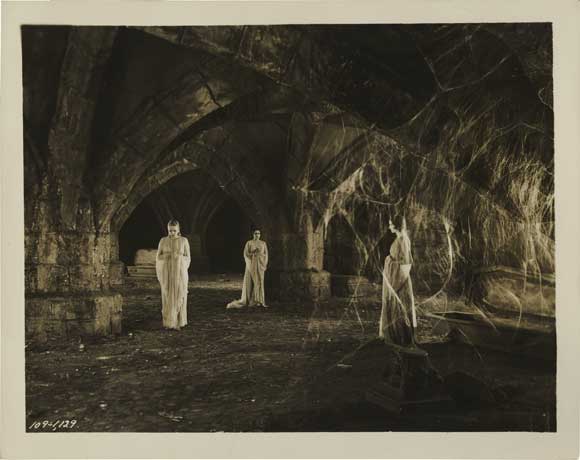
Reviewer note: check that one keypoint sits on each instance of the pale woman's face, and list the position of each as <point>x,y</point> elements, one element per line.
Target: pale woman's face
<point>172,231</point>
<point>257,235</point>
<point>392,227</point>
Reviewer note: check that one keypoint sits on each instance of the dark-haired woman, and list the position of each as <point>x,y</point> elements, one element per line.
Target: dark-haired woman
<point>256,258</point>
<point>397,324</point>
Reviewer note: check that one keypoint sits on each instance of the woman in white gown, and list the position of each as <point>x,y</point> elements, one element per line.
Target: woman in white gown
<point>256,257</point>
<point>172,263</point>
<point>398,320</point>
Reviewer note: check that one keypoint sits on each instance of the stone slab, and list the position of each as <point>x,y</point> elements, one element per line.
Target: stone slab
<point>145,257</point>
<point>141,271</point>
<point>512,290</point>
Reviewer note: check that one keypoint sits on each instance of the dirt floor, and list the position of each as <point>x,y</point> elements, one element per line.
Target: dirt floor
<point>276,369</point>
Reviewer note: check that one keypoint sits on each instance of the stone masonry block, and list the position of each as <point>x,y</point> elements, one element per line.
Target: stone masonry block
<point>116,273</point>
<point>304,285</point>
<point>46,278</point>
<point>351,286</point>
<point>72,316</point>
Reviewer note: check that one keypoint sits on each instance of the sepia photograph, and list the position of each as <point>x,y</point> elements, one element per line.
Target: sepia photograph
<point>289,228</point>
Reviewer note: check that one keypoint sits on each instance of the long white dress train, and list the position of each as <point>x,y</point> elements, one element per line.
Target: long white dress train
<point>256,257</point>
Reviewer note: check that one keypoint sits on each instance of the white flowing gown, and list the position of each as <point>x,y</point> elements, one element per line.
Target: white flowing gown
<point>398,319</point>
<point>256,257</point>
<point>172,262</point>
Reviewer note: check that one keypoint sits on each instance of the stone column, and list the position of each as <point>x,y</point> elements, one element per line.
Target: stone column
<point>299,273</point>
<point>345,262</point>
<point>199,260</point>
<point>69,276</point>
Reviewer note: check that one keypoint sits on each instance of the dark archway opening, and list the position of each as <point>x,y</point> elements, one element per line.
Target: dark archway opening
<point>213,222</point>
<point>226,234</point>
<point>340,248</point>
<point>142,230</point>
<point>357,246</point>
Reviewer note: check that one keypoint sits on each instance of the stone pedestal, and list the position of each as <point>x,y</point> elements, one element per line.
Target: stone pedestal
<point>144,264</point>
<point>69,276</point>
<point>299,275</point>
<point>72,315</point>
<point>304,285</point>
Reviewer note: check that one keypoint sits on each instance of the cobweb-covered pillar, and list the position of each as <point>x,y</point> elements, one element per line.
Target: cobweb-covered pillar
<point>299,275</point>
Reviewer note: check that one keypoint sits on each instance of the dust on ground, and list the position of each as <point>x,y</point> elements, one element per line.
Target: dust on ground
<point>253,369</point>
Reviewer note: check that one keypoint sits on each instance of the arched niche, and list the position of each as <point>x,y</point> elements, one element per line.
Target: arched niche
<point>212,219</point>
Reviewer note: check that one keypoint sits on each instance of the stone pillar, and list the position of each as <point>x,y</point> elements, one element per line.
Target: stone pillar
<point>199,260</point>
<point>345,262</point>
<point>69,276</point>
<point>299,274</point>
<point>117,269</point>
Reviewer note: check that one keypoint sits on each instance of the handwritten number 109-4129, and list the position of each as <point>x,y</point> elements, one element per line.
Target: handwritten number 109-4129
<point>56,425</point>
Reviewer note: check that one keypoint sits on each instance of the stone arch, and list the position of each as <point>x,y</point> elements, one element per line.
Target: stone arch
<point>210,215</point>
<point>209,200</point>
<point>70,132</point>
<point>150,184</point>
<point>153,182</point>
<point>160,122</point>
<point>285,54</point>
<point>189,157</point>
<point>253,197</point>
<point>208,153</point>
<point>340,249</point>
<point>206,209</point>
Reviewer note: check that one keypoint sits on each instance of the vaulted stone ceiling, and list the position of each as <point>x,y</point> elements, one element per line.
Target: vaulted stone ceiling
<point>272,113</point>
<point>143,93</point>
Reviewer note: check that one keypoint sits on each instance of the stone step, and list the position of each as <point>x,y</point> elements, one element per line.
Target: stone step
<point>142,271</point>
<point>145,257</point>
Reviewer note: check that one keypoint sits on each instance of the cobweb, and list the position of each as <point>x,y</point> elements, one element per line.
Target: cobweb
<point>469,207</point>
